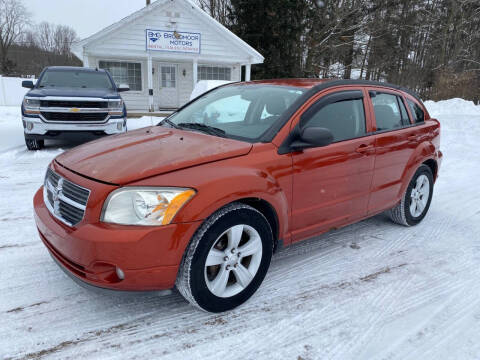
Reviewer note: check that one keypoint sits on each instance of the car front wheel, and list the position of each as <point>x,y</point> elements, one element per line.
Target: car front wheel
<point>416,201</point>
<point>227,259</point>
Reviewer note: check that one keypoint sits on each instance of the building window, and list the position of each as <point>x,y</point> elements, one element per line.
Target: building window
<point>168,78</point>
<point>124,73</point>
<point>214,73</point>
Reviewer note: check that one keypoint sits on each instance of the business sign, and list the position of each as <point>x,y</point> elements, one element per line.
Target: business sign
<point>175,41</point>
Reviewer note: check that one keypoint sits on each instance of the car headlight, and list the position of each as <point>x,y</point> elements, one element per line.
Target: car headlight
<point>145,205</point>
<point>115,107</point>
<point>31,102</point>
<point>32,106</point>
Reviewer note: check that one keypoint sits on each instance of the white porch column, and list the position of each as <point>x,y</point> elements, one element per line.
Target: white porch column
<point>150,83</point>
<point>247,72</point>
<point>195,72</point>
<point>85,59</point>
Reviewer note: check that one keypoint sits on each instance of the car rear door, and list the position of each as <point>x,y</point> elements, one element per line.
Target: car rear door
<point>331,184</point>
<point>395,142</point>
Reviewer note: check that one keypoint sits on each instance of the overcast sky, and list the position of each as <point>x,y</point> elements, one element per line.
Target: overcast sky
<point>85,16</point>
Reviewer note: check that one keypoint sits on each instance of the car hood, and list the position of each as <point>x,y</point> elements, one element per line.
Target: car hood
<point>74,92</point>
<point>121,159</point>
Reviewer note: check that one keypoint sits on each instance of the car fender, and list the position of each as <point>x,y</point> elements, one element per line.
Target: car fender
<point>423,152</point>
<point>218,184</point>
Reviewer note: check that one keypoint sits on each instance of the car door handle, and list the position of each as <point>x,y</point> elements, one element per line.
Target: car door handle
<point>364,148</point>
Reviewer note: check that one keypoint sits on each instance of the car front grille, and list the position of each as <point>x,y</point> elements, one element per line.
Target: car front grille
<point>79,116</point>
<point>74,104</point>
<point>64,199</point>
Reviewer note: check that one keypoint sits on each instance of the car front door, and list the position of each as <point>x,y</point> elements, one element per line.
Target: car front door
<point>331,184</point>
<point>395,142</point>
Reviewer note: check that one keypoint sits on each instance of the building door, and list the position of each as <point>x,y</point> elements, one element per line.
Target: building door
<point>167,94</point>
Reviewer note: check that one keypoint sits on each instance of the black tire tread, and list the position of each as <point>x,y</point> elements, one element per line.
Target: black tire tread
<point>397,213</point>
<point>183,278</point>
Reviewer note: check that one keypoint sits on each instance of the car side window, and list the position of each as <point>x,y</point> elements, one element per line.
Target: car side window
<point>345,119</point>
<point>388,115</point>
<point>417,112</point>
<point>403,111</point>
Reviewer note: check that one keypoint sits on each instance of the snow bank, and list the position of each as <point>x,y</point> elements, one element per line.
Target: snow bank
<point>454,106</point>
<point>205,85</point>
<point>11,90</point>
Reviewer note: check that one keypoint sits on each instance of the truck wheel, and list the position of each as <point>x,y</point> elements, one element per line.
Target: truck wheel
<point>33,144</point>
<point>416,201</point>
<point>227,259</point>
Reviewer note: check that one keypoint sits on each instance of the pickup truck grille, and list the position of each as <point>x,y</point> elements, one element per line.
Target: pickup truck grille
<point>74,104</point>
<point>66,116</point>
<point>65,200</point>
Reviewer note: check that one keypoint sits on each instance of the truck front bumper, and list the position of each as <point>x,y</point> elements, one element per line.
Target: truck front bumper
<point>36,128</point>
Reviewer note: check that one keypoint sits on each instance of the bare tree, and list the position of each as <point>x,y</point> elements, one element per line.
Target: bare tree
<point>63,37</point>
<point>45,36</point>
<point>13,20</point>
<point>56,39</point>
<point>218,9</point>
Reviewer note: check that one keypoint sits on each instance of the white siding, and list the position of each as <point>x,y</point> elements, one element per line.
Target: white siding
<point>130,38</point>
<point>127,43</point>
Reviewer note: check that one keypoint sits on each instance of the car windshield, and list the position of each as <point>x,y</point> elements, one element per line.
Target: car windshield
<point>244,112</point>
<point>75,79</point>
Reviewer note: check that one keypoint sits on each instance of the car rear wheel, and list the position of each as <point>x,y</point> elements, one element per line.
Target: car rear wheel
<point>416,201</point>
<point>227,259</point>
<point>34,144</point>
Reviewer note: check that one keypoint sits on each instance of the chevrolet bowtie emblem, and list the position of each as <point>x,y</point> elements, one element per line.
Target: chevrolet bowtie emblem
<point>75,110</point>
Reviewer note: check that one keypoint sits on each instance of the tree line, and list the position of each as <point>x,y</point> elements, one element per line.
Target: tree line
<point>26,48</point>
<point>431,46</point>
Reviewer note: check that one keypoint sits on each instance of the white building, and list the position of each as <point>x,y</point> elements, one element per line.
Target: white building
<point>162,50</point>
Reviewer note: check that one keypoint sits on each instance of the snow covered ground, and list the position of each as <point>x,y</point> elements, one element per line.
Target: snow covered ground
<point>373,290</point>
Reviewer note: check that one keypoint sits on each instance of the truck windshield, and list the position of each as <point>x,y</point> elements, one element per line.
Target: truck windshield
<point>75,79</point>
<point>244,112</point>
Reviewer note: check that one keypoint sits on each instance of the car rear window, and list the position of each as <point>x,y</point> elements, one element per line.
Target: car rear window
<point>417,112</point>
<point>388,115</point>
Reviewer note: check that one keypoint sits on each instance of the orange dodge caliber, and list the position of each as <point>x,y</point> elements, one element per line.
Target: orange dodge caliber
<point>202,200</point>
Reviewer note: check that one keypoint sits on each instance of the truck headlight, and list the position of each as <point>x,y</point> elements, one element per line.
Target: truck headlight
<point>31,106</point>
<point>115,107</point>
<point>144,205</point>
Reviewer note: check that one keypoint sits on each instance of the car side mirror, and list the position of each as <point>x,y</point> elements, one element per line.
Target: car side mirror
<point>310,137</point>
<point>27,84</point>
<point>123,87</point>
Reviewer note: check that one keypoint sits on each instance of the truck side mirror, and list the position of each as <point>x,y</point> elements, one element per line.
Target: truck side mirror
<point>123,87</point>
<point>27,84</point>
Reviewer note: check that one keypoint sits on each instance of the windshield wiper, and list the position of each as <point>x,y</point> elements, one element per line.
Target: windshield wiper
<point>171,123</point>
<point>202,127</point>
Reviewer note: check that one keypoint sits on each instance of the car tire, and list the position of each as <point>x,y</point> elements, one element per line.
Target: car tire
<point>416,200</point>
<point>34,144</point>
<point>222,284</point>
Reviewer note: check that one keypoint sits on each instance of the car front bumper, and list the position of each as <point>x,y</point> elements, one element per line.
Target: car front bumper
<point>149,257</point>
<point>37,127</point>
